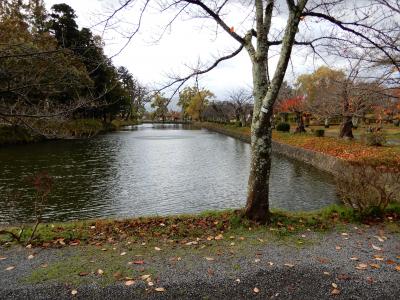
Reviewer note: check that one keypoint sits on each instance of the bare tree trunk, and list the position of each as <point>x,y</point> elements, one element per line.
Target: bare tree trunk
<point>300,123</point>
<point>257,207</point>
<point>265,94</point>
<point>346,130</point>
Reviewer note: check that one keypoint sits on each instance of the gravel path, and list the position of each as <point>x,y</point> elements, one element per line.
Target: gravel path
<point>268,270</point>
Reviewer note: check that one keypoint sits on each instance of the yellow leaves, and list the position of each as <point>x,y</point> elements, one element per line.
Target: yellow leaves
<point>219,237</point>
<point>100,272</point>
<point>378,257</point>
<point>375,266</point>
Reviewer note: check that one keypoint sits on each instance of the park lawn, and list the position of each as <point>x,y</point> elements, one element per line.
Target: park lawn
<point>344,149</point>
<point>185,229</point>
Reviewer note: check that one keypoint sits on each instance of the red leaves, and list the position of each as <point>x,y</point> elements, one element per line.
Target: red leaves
<point>291,105</point>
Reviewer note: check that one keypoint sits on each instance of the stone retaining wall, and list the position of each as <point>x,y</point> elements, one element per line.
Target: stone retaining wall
<point>318,160</point>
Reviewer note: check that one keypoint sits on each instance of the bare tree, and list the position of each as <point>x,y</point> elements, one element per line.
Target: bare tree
<point>352,24</point>
<point>241,100</point>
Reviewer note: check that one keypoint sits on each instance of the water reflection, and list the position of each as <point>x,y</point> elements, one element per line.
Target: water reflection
<point>147,170</point>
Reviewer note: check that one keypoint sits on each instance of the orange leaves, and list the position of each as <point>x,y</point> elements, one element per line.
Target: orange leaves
<point>291,105</point>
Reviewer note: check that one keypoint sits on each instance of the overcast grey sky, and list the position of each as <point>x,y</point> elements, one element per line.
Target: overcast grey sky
<point>188,41</point>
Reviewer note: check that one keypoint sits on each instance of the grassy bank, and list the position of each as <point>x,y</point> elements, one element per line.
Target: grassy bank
<point>80,128</point>
<point>344,149</point>
<point>188,228</point>
<point>12,135</point>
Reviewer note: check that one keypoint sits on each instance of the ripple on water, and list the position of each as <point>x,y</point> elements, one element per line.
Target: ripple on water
<point>148,171</point>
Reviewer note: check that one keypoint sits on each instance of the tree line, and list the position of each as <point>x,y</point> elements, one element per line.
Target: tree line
<point>51,70</point>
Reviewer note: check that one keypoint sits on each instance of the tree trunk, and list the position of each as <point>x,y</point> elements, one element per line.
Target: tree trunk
<point>257,206</point>
<point>346,130</point>
<point>300,123</point>
<point>326,123</point>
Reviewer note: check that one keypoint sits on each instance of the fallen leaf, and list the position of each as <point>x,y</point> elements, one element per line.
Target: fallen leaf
<point>257,260</point>
<point>3,258</point>
<point>129,282</point>
<point>379,238</point>
<point>343,277</point>
<point>335,292</point>
<point>378,257</point>
<point>10,268</point>
<point>334,285</point>
<point>397,268</point>
<point>390,262</point>
<point>145,277</point>
<point>123,253</point>
<point>375,266</point>
<point>376,248</point>
<point>138,262</point>
<point>83,273</point>
<point>219,237</point>
<point>289,265</point>
<point>159,289</point>
<point>338,247</point>
<point>209,258</point>
<point>157,249</point>
<point>100,272</point>
<point>237,280</point>
<point>327,273</point>
<point>256,290</point>
<point>232,244</point>
<point>74,292</point>
<point>29,246</point>
<point>353,258</point>
<point>345,234</point>
<point>361,266</point>
<point>30,256</point>
<point>150,283</point>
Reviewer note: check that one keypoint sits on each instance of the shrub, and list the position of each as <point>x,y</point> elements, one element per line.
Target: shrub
<point>285,127</point>
<point>368,186</point>
<point>319,132</point>
<point>375,138</point>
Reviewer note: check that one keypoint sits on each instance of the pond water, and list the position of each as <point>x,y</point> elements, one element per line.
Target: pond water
<point>149,170</point>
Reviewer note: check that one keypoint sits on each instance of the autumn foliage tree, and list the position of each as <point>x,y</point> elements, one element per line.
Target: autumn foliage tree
<point>296,105</point>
